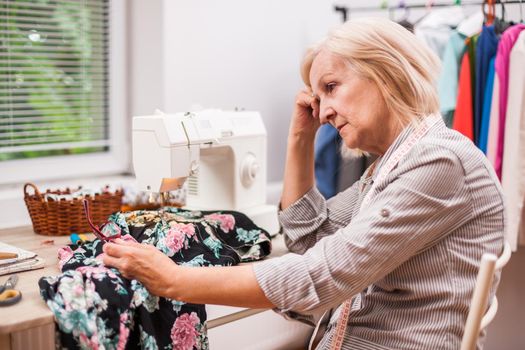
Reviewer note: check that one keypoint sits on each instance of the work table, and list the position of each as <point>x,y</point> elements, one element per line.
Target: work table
<point>32,312</point>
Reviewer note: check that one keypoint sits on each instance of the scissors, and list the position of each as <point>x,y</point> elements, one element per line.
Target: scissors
<point>110,227</point>
<point>9,295</point>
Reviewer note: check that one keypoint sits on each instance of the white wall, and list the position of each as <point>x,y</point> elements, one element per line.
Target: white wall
<point>145,56</point>
<point>246,53</point>
<point>235,53</point>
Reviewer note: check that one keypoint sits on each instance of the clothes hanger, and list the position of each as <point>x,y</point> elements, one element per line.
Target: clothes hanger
<point>391,10</point>
<point>403,5</point>
<point>502,3</point>
<point>344,12</point>
<point>488,15</point>
<point>501,24</point>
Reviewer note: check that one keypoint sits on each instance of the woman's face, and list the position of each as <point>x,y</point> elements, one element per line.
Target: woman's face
<point>351,104</point>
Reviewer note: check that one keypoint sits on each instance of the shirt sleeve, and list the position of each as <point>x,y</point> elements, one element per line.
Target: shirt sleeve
<point>311,217</point>
<point>423,199</point>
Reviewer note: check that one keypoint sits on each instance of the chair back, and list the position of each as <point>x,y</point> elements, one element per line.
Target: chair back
<point>478,318</point>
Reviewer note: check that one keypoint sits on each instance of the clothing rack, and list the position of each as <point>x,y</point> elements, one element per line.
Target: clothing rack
<point>345,10</point>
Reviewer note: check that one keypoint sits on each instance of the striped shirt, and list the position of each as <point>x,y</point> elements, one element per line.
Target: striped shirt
<point>410,258</point>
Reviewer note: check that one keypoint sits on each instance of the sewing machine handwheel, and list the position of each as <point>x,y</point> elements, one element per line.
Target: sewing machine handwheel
<point>249,169</point>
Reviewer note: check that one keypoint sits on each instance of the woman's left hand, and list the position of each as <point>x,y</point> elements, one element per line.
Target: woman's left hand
<point>142,262</point>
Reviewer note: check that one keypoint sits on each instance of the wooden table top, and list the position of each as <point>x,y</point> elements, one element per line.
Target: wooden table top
<point>32,311</point>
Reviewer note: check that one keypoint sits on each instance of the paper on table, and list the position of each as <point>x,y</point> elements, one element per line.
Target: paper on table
<point>22,254</point>
<point>25,265</point>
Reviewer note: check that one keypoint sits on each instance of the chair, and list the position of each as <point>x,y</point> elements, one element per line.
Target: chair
<point>476,320</point>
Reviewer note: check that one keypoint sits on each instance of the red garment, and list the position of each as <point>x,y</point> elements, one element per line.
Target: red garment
<point>464,116</point>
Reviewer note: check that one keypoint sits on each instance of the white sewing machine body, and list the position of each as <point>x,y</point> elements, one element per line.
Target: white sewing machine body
<point>221,154</point>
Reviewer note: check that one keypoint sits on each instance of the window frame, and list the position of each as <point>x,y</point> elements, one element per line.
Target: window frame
<point>117,159</point>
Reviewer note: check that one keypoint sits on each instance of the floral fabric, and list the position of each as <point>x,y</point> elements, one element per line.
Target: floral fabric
<point>95,307</point>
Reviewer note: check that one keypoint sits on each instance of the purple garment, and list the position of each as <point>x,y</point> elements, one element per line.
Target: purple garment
<point>506,43</point>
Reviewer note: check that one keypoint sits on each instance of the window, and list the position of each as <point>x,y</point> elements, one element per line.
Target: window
<point>61,89</point>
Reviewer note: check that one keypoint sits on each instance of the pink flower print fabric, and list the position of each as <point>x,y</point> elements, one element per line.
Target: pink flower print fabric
<point>185,332</point>
<point>225,221</point>
<point>178,236</point>
<point>175,240</point>
<point>95,307</point>
<point>110,229</point>
<point>64,255</point>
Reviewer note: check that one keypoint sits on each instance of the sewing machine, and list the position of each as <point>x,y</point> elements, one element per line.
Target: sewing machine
<point>220,154</point>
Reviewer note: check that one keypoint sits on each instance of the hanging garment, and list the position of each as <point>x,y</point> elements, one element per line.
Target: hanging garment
<point>472,24</point>
<point>487,46</point>
<point>333,172</point>
<point>448,79</point>
<point>507,41</point>
<point>435,29</point>
<point>463,113</point>
<point>513,168</point>
<point>96,307</point>
<point>452,57</point>
<point>327,160</point>
<point>492,140</point>
<point>472,43</point>
<point>485,113</point>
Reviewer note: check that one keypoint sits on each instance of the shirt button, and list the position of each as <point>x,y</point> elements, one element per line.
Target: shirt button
<point>385,213</point>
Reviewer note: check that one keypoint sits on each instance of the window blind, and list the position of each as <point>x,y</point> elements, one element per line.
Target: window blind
<point>53,78</point>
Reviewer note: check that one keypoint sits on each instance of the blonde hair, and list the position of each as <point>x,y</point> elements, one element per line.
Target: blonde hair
<point>403,68</point>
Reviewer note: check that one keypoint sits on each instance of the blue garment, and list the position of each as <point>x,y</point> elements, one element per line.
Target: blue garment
<point>448,79</point>
<point>327,160</point>
<point>487,104</point>
<point>486,49</point>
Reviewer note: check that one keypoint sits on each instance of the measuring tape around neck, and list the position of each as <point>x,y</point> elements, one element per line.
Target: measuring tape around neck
<point>406,146</point>
<point>399,153</point>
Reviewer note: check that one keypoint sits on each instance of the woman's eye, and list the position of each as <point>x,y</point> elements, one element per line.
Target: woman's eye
<point>330,87</point>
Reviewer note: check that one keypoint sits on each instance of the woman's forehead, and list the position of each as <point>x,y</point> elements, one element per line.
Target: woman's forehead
<point>326,63</point>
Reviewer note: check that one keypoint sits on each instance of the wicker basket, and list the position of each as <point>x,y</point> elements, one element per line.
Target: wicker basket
<point>65,216</point>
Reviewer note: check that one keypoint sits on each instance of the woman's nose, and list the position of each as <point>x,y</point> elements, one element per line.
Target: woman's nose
<point>325,113</point>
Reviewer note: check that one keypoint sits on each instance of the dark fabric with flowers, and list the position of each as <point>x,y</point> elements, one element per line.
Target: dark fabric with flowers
<point>95,307</point>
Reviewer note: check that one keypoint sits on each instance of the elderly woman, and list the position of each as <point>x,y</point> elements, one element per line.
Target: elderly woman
<point>395,256</point>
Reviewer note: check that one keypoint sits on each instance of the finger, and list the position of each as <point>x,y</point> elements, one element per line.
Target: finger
<point>111,261</point>
<point>304,99</point>
<point>115,250</point>
<point>120,264</point>
<point>315,108</point>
